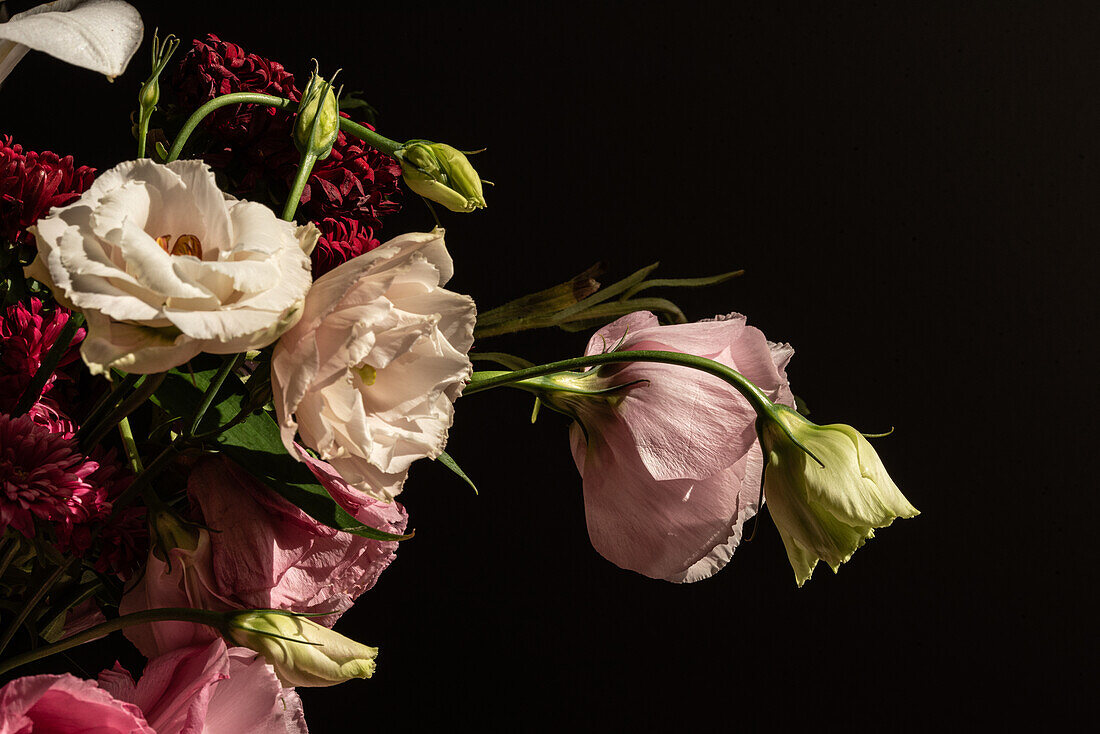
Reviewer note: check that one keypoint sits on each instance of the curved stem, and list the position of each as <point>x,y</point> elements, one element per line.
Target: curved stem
<point>756,397</point>
<point>305,167</point>
<point>370,137</point>
<point>168,614</point>
<point>217,103</point>
<point>33,391</point>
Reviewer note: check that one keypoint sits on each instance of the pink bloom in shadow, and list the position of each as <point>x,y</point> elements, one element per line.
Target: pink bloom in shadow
<point>261,553</point>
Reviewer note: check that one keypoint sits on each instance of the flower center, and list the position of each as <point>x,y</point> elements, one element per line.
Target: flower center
<point>367,374</point>
<point>186,244</point>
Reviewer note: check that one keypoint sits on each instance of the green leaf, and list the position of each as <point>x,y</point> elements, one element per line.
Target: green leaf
<point>255,444</point>
<point>445,459</point>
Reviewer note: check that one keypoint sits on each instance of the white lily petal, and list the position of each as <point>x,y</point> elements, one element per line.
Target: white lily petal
<point>101,35</point>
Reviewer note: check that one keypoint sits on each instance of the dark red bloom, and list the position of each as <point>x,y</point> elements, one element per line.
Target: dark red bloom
<point>33,183</point>
<point>26,335</point>
<point>348,193</point>
<point>43,476</point>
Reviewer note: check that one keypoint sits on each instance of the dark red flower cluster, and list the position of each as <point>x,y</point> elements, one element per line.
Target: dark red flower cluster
<point>348,193</point>
<point>33,183</point>
<point>26,336</point>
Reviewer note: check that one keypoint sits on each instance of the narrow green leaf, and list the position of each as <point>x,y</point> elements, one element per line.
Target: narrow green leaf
<point>445,459</point>
<point>683,282</point>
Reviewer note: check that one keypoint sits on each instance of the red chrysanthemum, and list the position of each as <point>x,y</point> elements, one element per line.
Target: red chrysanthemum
<point>43,476</point>
<point>348,193</point>
<point>123,541</point>
<point>26,335</point>
<point>31,184</point>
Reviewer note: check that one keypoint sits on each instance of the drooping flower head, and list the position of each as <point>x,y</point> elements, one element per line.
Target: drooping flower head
<point>370,373</point>
<point>33,183</point>
<point>669,458</point>
<point>825,511</point>
<point>164,266</point>
<point>42,476</point>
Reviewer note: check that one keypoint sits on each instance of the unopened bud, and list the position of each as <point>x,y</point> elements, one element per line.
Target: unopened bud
<point>318,121</point>
<point>170,531</point>
<point>441,173</point>
<point>302,652</point>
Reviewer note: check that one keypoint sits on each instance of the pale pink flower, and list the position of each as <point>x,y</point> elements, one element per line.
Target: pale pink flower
<point>43,476</point>
<point>64,704</point>
<point>209,689</point>
<point>670,463</point>
<point>370,373</point>
<point>264,553</point>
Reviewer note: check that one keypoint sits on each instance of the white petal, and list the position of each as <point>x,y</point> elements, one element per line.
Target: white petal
<point>101,35</point>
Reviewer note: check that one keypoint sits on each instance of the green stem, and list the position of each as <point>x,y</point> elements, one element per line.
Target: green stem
<point>31,603</point>
<point>130,445</point>
<point>143,132</point>
<point>217,103</point>
<point>228,365</point>
<point>147,387</point>
<point>756,397</point>
<point>370,137</point>
<point>168,614</point>
<point>107,403</point>
<point>33,391</point>
<point>305,167</point>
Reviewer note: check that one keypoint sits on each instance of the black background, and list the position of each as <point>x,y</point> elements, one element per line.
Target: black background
<point>912,191</point>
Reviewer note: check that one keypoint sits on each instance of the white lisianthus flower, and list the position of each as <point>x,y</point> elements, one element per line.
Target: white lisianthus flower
<point>164,266</point>
<point>302,652</point>
<point>101,35</point>
<point>370,373</point>
<point>825,511</point>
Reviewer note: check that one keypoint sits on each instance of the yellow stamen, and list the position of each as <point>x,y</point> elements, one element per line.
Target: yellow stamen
<point>367,374</point>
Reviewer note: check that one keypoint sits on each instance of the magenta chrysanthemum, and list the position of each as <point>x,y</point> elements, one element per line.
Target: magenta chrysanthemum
<point>26,336</point>
<point>42,476</point>
<point>31,184</point>
<point>348,193</point>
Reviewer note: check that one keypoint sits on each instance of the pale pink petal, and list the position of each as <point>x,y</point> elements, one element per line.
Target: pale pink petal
<point>64,704</point>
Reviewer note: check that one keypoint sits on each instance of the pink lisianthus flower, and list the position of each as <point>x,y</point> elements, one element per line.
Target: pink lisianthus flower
<point>670,462</point>
<point>65,704</point>
<point>209,689</point>
<point>43,476</point>
<point>264,553</point>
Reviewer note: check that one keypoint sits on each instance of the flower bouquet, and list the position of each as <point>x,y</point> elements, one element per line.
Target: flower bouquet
<point>217,374</point>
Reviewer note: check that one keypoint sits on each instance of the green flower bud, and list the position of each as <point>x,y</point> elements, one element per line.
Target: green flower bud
<point>170,531</point>
<point>302,652</point>
<point>442,174</point>
<point>318,121</point>
<point>826,489</point>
